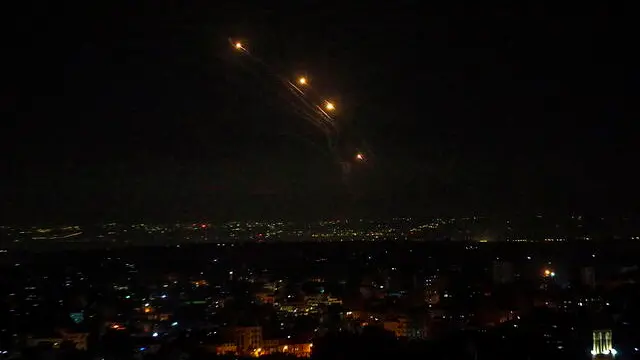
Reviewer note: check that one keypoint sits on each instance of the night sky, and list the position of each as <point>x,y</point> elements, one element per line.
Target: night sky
<point>127,110</point>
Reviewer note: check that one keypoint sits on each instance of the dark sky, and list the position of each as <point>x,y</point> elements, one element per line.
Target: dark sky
<point>140,109</point>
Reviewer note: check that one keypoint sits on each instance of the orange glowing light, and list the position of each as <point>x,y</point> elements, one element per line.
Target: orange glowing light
<point>302,81</point>
<point>329,106</point>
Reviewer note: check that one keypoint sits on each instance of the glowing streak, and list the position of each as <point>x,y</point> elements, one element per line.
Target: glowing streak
<point>321,116</point>
<point>359,156</point>
<point>303,109</point>
<point>314,114</point>
<point>295,87</point>
<point>326,116</point>
<point>238,45</point>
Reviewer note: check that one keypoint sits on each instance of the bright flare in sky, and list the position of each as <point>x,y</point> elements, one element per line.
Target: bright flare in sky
<point>302,81</point>
<point>329,106</point>
<point>359,156</point>
<point>238,45</point>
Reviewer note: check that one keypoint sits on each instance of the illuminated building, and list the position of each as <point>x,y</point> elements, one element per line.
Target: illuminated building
<point>265,298</point>
<point>226,348</point>
<point>299,350</point>
<point>603,345</point>
<point>249,342</point>
<point>159,316</point>
<point>297,307</point>
<point>321,299</point>
<point>248,338</point>
<point>397,327</point>
<point>403,328</point>
<point>198,283</point>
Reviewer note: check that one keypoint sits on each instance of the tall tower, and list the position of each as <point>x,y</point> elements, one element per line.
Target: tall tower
<point>603,345</point>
